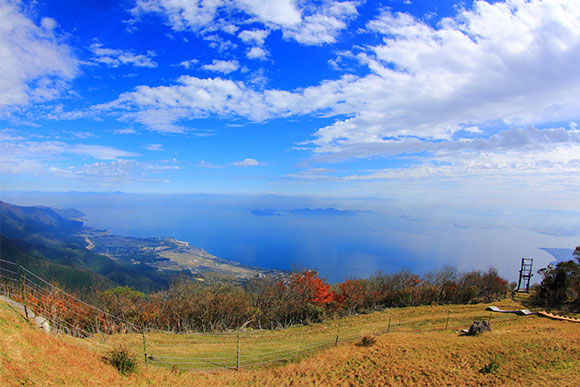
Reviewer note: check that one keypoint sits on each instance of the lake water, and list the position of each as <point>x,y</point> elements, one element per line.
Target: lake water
<point>342,238</point>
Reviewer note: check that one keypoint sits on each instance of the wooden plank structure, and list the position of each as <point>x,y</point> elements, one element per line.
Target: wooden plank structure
<point>558,317</point>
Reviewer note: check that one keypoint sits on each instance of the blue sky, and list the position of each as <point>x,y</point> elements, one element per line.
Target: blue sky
<point>429,102</point>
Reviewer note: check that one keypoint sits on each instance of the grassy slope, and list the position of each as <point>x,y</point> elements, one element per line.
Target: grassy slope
<point>529,350</point>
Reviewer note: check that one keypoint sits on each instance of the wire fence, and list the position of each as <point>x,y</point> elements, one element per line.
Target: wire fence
<point>243,348</point>
<point>64,312</point>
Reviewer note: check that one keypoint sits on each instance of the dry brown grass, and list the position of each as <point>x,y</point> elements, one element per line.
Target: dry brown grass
<point>529,351</point>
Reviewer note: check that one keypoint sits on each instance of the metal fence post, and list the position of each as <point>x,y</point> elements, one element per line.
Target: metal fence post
<point>144,344</point>
<point>389,327</point>
<point>22,294</point>
<point>337,333</point>
<point>238,350</point>
<point>447,322</point>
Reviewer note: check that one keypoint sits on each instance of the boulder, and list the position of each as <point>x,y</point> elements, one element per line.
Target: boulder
<point>479,327</point>
<point>42,323</point>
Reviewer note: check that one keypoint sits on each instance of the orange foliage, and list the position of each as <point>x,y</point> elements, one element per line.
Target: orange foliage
<point>312,288</point>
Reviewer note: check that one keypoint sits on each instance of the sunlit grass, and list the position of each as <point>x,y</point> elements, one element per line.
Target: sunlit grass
<point>523,351</point>
<point>262,347</point>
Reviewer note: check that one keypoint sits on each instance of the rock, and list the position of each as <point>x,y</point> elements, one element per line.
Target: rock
<point>42,323</point>
<point>479,327</point>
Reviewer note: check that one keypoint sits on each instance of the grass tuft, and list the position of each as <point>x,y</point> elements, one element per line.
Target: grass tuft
<point>367,340</point>
<point>490,368</point>
<point>123,359</point>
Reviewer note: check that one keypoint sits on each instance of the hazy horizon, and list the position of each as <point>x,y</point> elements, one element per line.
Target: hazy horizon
<point>342,239</point>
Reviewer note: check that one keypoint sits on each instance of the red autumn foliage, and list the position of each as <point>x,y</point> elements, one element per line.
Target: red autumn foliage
<point>312,289</point>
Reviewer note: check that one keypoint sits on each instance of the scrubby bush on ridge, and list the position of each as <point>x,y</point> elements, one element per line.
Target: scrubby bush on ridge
<point>560,286</point>
<point>299,298</point>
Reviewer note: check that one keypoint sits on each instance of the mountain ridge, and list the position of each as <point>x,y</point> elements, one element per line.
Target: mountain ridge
<point>58,237</point>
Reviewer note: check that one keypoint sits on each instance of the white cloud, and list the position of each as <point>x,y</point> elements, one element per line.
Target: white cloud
<point>35,65</point>
<point>222,66</point>
<point>81,135</point>
<point>116,171</point>
<point>197,14</point>
<point>204,164</point>
<point>153,147</point>
<point>425,82</point>
<point>125,131</point>
<point>473,129</point>
<point>313,23</point>
<point>187,64</point>
<point>539,167</point>
<point>316,29</point>
<point>161,107</point>
<point>254,36</point>
<point>246,163</point>
<point>515,139</point>
<point>116,57</point>
<point>102,164</point>
<point>48,23</point>
<point>257,53</point>
<point>21,148</point>
<point>432,82</point>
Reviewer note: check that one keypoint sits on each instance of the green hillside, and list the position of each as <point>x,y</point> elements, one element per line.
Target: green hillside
<point>43,239</point>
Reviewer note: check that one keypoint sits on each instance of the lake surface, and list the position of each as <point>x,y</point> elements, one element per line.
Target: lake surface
<point>341,238</point>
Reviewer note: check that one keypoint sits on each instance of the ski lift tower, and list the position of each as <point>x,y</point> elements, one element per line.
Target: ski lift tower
<point>525,274</point>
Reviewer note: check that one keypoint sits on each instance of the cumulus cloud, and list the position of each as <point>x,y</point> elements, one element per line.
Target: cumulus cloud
<point>430,81</point>
<point>257,53</point>
<point>425,82</point>
<point>116,57</point>
<point>187,64</point>
<point>161,107</point>
<point>316,23</point>
<point>35,65</point>
<point>222,66</point>
<point>254,36</point>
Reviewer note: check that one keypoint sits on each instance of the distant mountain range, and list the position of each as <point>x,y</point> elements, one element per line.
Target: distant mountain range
<point>55,244</point>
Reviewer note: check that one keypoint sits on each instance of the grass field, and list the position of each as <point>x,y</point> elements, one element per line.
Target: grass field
<point>518,351</point>
<point>209,352</point>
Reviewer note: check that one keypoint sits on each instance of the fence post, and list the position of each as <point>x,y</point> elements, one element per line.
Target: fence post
<point>144,344</point>
<point>489,319</point>
<point>389,327</point>
<point>238,349</point>
<point>22,294</point>
<point>337,333</point>
<point>447,322</point>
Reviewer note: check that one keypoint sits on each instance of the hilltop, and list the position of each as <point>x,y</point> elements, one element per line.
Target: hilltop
<point>526,351</point>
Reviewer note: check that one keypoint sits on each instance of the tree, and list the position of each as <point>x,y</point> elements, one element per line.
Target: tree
<point>560,285</point>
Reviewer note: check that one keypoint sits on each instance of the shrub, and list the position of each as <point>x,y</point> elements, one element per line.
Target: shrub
<point>123,359</point>
<point>367,341</point>
<point>490,367</point>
